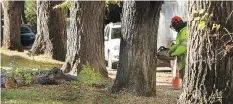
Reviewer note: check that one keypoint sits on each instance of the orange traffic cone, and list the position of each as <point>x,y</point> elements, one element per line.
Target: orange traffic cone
<point>176,78</point>
<point>176,81</point>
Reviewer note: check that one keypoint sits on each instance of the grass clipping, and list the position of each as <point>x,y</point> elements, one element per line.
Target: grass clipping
<point>89,76</point>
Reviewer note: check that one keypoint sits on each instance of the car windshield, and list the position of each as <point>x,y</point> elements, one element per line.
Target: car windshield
<point>116,33</point>
<point>24,30</point>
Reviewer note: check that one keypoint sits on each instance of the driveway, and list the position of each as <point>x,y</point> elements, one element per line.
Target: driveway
<point>163,75</point>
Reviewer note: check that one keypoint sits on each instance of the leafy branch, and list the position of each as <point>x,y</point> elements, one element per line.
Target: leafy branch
<point>65,4</point>
<point>203,18</point>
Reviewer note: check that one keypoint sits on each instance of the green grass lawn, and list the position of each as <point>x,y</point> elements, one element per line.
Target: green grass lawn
<point>21,60</point>
<point>77,93</point>
<point>72,92</point>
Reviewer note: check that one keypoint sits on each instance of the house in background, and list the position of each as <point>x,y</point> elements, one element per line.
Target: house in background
<point>170,9</point>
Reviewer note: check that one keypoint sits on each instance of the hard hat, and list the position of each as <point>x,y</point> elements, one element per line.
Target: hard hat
<point>176,19</point>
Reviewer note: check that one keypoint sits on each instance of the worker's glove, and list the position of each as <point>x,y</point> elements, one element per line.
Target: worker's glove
<point>169,51</point>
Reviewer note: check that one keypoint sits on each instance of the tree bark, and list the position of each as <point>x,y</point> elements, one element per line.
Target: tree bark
<point>12,22</point>
<point>209,71</point>
<point>51,37</point>
<point>23,17</point>
<point>85,44</point>
<point>137,64</point>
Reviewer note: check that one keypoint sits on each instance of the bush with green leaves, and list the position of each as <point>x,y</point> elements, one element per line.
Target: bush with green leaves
<point>89,76</point>
<point>17,72</point>
<point>65,4</point>
<point>20,73</point>
<point>203,19</point>
<point>113,9</point>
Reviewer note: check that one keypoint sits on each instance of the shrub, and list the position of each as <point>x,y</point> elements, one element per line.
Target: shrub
<point>89,76</point>
<point>17,72</point>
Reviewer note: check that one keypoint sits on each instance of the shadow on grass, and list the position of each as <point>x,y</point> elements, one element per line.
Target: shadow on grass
<point>21,62</point>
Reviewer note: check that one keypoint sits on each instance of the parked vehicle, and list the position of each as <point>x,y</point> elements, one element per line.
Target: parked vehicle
<point>112,33</point>
<point>27,35</point>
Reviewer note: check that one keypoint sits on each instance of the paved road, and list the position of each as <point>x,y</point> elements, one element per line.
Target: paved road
<point>112,73</point>
<point>27,47</point>
<point>162,78</point>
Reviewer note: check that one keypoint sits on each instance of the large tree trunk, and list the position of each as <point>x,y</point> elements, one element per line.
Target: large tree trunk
<point>137,65</point>
<point>12,22</point>
<point>85,44</point>
<point>51,35</point>
<point>209,70</point>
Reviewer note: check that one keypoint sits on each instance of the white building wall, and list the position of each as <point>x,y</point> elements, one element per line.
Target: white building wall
<point>169,10</point>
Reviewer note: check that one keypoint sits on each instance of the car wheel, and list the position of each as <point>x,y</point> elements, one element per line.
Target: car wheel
<point>109,60</point>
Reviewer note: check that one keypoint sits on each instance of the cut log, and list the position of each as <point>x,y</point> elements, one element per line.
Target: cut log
<point>52,77</point>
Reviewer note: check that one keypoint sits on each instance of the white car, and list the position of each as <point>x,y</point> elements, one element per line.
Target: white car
<point>112,33</point>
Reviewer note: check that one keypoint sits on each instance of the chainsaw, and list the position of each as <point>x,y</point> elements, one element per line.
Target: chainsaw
<point>163,54</point>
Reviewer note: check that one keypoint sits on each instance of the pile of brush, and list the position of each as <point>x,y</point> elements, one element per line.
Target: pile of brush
<point>54,76</point>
